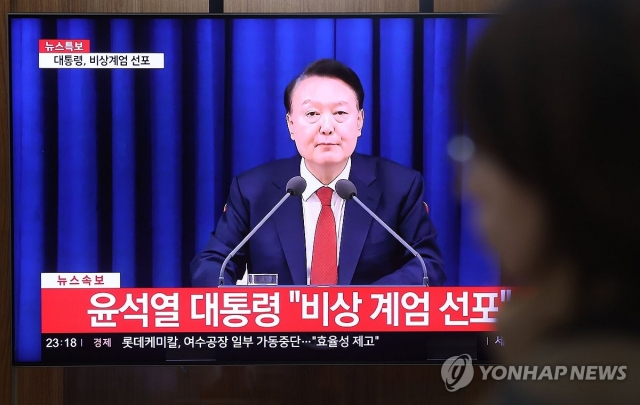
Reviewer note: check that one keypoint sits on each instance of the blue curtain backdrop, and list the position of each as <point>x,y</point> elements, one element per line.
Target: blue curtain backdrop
<point>128,170</point>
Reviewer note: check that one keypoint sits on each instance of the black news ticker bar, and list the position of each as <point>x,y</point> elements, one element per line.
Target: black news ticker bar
<point>263,348</point>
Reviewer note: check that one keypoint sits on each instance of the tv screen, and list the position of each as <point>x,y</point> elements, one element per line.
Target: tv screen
<point>131,139</point>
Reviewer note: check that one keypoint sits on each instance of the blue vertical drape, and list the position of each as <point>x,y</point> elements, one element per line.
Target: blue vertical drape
<point>123,152</point>
<point>166,154</point>
<point>127,170</point>
<point>28,166</point>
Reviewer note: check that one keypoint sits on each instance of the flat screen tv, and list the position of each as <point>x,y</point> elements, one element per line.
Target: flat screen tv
<point>127,132</point>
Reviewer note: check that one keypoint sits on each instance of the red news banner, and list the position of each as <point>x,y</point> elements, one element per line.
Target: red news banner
<point>64,46</point>
<point>271,309</point>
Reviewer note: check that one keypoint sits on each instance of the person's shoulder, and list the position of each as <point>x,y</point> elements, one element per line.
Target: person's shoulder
<point>267,171</point>
<point>384,167</point>
<point>610,355</point>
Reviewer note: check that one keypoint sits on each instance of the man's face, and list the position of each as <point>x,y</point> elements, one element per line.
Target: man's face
<point>324,122</point>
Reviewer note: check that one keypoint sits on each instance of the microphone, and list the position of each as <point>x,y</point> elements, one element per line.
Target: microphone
<point>295,187</point>
<point>347,191</point>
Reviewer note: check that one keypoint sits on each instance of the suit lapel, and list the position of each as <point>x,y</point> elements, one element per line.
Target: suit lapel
<point>290,226</point>
<point>357,221</point>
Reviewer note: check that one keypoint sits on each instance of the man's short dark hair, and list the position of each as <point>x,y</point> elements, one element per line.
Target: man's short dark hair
<point>330,68</point>
<point>558,108</point>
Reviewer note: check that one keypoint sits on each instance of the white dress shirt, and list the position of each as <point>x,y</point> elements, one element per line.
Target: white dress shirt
<point>311,207</point>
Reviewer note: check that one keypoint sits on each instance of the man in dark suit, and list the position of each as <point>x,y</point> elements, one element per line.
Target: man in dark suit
<point>324,239</point>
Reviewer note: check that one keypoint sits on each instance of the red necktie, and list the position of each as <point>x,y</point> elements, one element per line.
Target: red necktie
<point>324,263</point>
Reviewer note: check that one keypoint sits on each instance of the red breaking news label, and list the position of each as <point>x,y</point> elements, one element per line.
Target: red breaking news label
<point>272,309</point>
<point>63,46</point>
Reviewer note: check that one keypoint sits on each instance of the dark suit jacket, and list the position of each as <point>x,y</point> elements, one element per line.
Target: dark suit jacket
<point>368,253</point>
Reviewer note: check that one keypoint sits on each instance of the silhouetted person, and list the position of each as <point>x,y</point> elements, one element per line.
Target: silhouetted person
<point>552,98</point>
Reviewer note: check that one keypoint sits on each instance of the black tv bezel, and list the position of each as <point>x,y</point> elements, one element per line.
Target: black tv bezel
<point>484,353</point>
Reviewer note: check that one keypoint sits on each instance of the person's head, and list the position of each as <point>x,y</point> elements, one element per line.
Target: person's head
<point>552,98</point>
<point>324,113</point>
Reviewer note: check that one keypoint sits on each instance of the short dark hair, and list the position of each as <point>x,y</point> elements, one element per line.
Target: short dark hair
<point>327,68</point>
<point>553,94</point>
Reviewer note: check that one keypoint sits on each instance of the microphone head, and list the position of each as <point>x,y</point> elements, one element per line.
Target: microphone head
<point>346,189</point>
<point>296,186</point>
